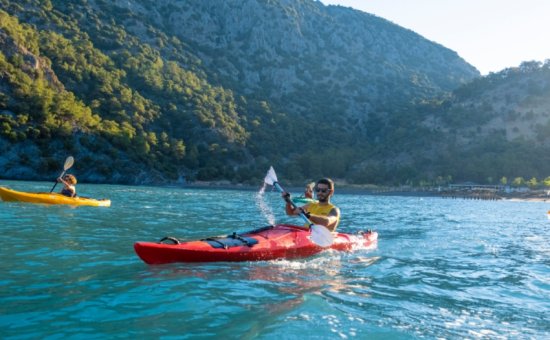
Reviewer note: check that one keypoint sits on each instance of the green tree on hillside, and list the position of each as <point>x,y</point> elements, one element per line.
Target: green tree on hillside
<point>532,183</point>
<point>518,182</point>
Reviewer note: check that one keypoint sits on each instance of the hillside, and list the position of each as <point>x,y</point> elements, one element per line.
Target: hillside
<point>497,126</point>
<point>162,91</point>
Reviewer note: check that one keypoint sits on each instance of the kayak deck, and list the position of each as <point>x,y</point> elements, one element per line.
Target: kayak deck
<point>9,195</point>
<point>269,243</point>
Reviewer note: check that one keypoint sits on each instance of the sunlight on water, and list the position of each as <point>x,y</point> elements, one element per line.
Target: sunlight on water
<point>265,209</point>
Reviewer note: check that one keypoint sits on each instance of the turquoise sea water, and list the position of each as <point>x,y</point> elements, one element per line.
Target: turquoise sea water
<point>443,269</point>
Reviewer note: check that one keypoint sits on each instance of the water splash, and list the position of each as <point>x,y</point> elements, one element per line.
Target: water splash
<point>265,209</point>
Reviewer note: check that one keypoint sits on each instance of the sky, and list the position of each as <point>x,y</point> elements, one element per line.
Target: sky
<point>491,35</point>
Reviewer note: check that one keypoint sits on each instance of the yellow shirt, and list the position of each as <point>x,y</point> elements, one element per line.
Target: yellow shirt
<point>316,208</point>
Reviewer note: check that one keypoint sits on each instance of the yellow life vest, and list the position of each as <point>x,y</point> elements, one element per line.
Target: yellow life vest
<point>316,208</point>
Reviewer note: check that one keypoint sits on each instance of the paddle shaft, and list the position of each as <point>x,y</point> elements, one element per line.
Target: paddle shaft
<point>55,184</point>
<point>288,200</point>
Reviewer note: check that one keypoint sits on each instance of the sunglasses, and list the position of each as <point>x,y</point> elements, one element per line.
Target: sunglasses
<point>324,190</point>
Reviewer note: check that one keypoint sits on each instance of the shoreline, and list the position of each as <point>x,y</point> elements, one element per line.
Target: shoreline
<point>372,190</point>
<point>531,196</point>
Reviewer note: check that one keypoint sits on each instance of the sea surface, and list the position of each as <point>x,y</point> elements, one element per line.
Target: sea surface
<point>443,268</point>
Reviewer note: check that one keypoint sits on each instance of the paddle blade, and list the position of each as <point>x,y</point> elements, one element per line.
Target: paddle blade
<point>321,236</point>
<point>68,163</point>
<point>271,177</point>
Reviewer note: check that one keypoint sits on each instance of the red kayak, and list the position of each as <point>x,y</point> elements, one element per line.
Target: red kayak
<point>269,243</point>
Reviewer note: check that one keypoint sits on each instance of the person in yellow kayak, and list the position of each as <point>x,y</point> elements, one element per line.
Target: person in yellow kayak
<point>69,185</point>
<point>321,212</point>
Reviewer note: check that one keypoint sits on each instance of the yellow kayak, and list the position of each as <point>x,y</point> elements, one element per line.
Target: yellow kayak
<point>9,195</point>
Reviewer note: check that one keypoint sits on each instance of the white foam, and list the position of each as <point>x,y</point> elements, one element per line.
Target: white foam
<point>266,210</point>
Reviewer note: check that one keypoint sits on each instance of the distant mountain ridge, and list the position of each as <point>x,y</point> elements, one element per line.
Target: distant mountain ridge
<point>280,49</point>
<point>162,91</point>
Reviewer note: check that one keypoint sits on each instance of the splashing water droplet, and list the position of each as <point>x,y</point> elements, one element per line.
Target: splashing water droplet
<point>264,208</point>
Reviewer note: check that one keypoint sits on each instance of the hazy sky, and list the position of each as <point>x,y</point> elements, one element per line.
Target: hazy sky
<point>489,34</point>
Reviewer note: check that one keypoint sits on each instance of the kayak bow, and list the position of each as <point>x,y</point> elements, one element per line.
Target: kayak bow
<point>302,200</point>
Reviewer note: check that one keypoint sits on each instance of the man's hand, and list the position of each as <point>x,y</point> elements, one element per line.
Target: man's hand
<point>286,196</point>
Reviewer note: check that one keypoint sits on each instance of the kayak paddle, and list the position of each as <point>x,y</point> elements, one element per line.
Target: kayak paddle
<point>68,164</point>
<point>320,235</point>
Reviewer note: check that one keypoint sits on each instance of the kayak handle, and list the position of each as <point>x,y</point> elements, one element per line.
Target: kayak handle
<point>170,238</point>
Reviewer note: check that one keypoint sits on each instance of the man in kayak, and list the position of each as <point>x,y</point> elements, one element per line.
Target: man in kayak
<point>321,212</point>
<point>69,183</point>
